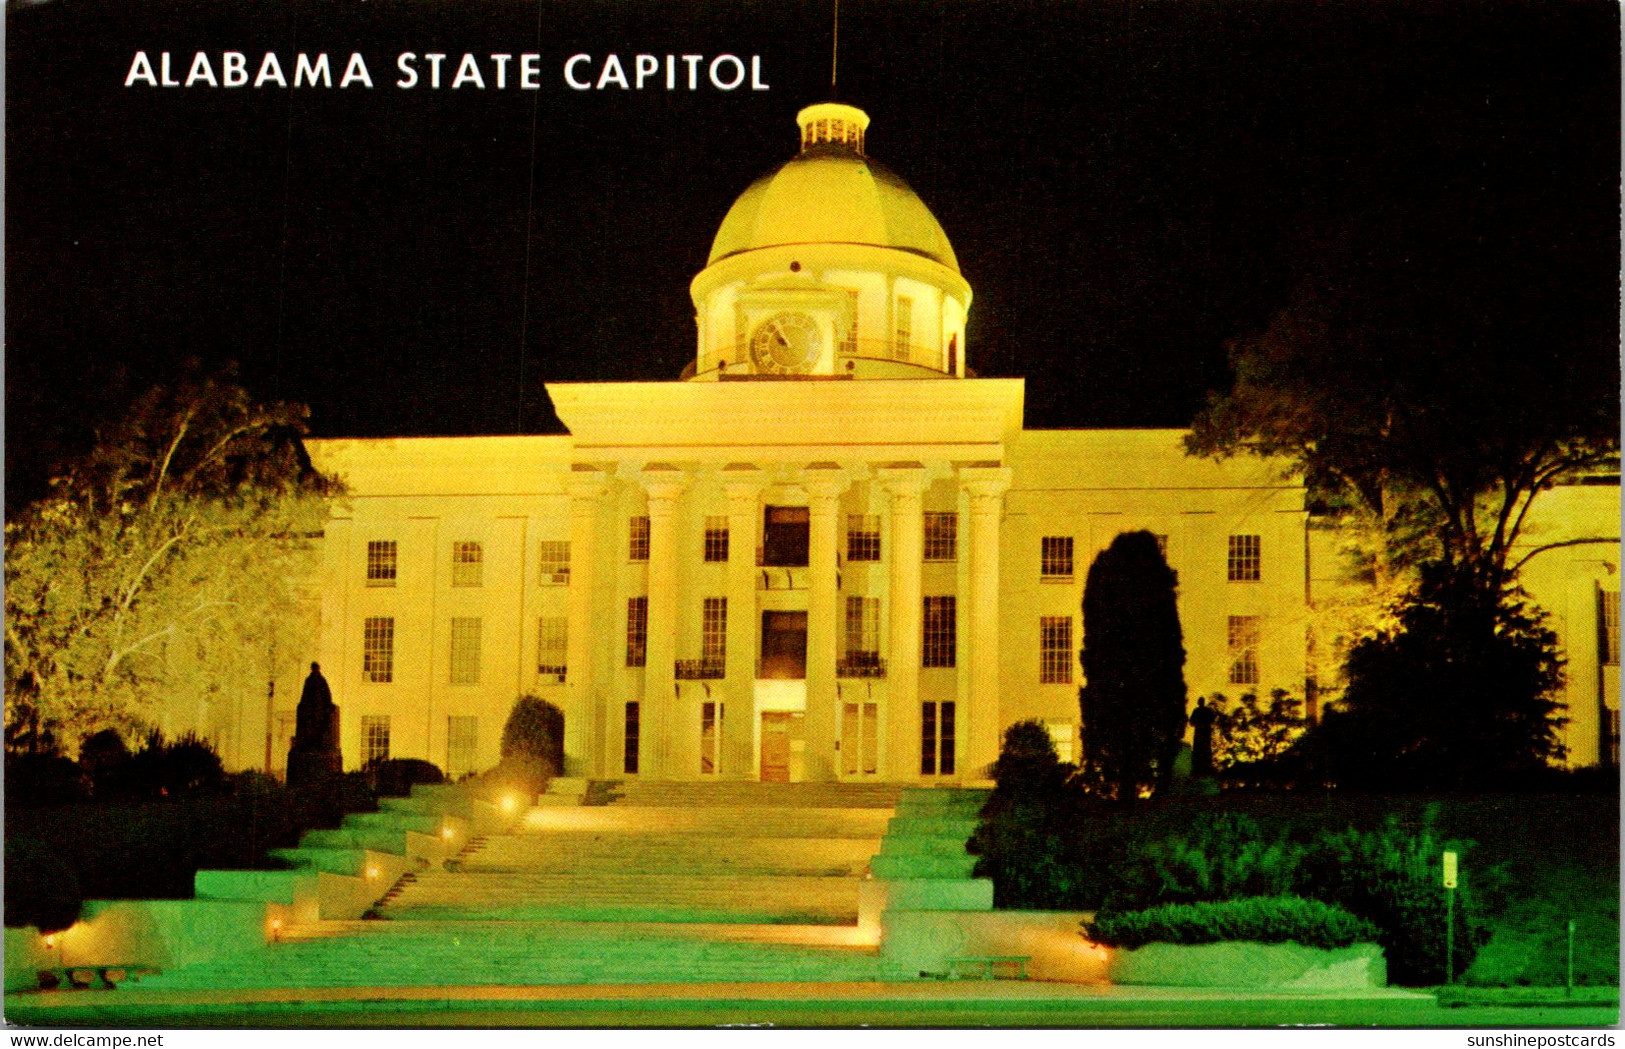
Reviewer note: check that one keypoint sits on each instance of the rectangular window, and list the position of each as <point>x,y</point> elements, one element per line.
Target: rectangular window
<point>937,739</point>
<point>785,536</point>
<point>461,743</point>
<point>941,537</point>
<point>849,340</point>
<point>629,761</point>
<point>1245,632</point>
<point>378,649</point>
<point>374,738</point>
<point>637,547</point>
<point>863,630</point>
<point>784,646</point>
<point>554,557</point>
<point>1246,559</point>
<point>710,737</point>
<point>938,626</point>
<point>1055,650</point>
<point>1608,626</point>
<point>716,539</point>
<point>1055,561</point>
<point>637,631</point>
<point>862,537</point>
<point>552,644</point>
<point>467,564</point>
<point>860,736</point>
<point>465,650</point>
<point>714,631</point>
<point>904,340</point>
<point>381,562</point>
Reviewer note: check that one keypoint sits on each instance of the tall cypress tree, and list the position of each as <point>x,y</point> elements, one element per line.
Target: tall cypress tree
<point>1133,699</point>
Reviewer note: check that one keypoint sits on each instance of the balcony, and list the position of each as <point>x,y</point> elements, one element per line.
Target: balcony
<point>861,665</point>
<point>699,670</point>
<point>734,361</point>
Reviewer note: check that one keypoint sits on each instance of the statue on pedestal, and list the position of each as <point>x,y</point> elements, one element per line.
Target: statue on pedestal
<point>314,759</point>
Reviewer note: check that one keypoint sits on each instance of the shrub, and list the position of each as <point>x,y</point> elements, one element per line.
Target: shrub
<point>1223,858</point>
<point>532,748</point>
<point>1392,878</point>
<point>36,780</point>
<point>1259,919</point>
<point>105,759</point>
<point>41,888</point>
<point>395,777</point>
<point>161,769</point>
<point>1028,763</point>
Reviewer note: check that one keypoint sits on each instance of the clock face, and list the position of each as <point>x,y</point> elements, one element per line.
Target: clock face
<point>789,342</point>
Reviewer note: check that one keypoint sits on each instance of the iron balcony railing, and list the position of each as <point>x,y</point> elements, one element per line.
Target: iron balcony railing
<point>699,670</point>
<point>861,665</point>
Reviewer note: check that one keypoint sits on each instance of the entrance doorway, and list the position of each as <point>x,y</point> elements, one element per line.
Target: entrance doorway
<point>783,745</point>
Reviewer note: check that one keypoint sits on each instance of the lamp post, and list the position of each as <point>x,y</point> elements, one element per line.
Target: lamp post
<point>1449,918</point>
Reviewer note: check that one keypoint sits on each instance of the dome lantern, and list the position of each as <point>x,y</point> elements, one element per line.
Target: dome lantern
<point>833,124</point>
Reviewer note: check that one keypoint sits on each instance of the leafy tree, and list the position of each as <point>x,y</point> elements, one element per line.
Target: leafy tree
<point>1133,699</point>
<point>161,555</point>
<point>1255,730</point>
<point>1429,382</point>
<point>1457,695</point>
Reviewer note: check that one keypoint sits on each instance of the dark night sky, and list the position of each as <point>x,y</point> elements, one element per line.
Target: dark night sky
<point>1127,185</point>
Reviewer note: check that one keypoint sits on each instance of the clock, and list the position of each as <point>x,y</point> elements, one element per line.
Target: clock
<point>785,344</point>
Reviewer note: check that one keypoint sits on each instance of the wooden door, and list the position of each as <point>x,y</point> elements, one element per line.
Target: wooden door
<point>776,746</point>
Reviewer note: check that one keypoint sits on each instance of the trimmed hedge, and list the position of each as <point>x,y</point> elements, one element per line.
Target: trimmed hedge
<point>1259,919</point>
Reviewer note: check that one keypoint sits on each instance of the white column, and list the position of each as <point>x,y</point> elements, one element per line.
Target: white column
<point>824,484</point>
<point>986,486</point>
<point>906,485</point>
<point>744,488</point>
<point>583,721</point>
<point>664,485</point>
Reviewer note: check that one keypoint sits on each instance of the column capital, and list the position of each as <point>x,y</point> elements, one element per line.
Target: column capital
<point>742,482</point>
<point>824,481</point>
<point>902,479</point>
<point>985,483</point>
<point>585,483</point>
<point>664,483</point>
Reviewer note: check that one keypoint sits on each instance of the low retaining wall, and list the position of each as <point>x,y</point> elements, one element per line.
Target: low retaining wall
<point>1287,966</point>
<point>925,941</point>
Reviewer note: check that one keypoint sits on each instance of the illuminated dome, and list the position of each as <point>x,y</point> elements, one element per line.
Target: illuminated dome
<point>830,267</point>
<point>832,193</point>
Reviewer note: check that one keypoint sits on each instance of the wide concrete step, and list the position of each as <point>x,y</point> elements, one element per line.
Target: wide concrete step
<point>710,820</point>
<point>540,895</point>
<point>589,853</point>
<point>794,795</point>
<point>523,954</point>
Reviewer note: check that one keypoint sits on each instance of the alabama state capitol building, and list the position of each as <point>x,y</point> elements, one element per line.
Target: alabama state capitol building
<point>828,553</point>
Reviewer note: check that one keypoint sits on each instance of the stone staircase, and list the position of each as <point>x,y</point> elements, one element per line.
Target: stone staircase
<point>653,883</point>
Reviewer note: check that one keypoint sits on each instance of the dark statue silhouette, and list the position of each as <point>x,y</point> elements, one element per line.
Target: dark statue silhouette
<point>314,758</point>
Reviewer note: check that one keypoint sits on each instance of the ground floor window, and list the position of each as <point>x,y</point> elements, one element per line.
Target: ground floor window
<point>374,738</point>
<point>630,759</point>
<point>860,738</point>
<point>461,742</point>
<point>710,738</point>
<point>937,739</point>
<point>1244,635</point>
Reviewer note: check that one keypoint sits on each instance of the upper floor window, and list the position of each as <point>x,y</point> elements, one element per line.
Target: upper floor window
<point>381,562</point>
<point>1245,633</point>
<point>862,537</point>
<point>465,650</point>
<point>941,537</point>
<point>552,647</point>
<point>1246,564</point>
<point>378,649</point>
<point>467,564</point>
<point>940,633</point>
<point>716,539</point>
<point>637,547</point>
<point>1055,562</point>
<point>1055,650</point>
<point>785,535</point>
<point>554,558</point>
<point>849,338</point>
<point>714,631</point>
<point>863,629</point>
<point>637,631</point>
